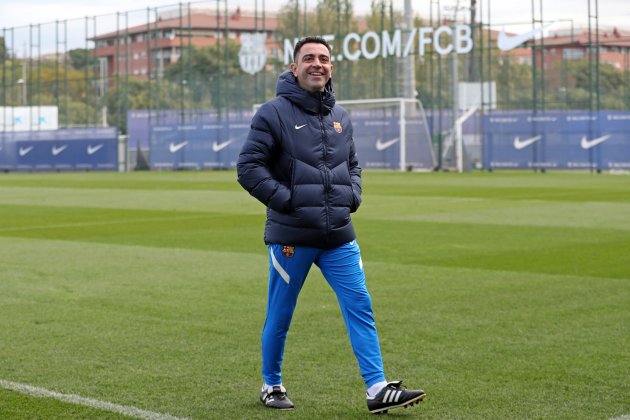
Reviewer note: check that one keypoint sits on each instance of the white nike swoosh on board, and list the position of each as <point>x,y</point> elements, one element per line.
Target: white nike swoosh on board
<point>297,127</point>
<point>382,145</point>
<point>587,144</point>
<point>25,150</point>
<point>217,147</point>
<point>57,150</point>
<point>91,150</point>
<point>506,42</point>
<point>173,147</point>
<point>521,144</point>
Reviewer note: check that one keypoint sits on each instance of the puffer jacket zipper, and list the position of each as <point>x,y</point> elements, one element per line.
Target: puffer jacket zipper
<point>325,169</point>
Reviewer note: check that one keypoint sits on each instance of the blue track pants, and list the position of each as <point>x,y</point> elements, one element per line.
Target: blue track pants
<point>343,269</point>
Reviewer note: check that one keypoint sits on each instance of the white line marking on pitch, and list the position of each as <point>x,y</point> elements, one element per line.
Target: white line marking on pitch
<point>34,391</point>
<point>623,417</point>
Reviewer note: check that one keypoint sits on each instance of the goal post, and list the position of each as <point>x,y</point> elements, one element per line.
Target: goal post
<point>391,133</point>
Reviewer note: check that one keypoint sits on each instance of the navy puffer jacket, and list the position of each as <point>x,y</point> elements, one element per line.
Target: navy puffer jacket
<point>299,160</point>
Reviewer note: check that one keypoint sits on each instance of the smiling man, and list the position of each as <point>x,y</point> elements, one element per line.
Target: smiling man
<point>299,160</point>
<point>312,68</point>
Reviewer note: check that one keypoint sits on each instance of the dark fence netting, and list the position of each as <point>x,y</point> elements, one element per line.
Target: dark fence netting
<point>207,64</point>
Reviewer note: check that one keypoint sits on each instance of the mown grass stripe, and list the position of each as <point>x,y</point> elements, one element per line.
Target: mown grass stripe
<point>38,392</point>
<point>106,223</point>
<point>503,295</point>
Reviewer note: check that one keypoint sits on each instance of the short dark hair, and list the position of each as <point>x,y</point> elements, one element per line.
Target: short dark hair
<point>310,40</point>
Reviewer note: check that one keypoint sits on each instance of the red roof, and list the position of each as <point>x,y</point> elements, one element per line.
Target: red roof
<point>607,37</point>
<point>200,21</point>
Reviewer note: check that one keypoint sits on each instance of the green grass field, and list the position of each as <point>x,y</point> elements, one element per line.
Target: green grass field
<point>503,295</point>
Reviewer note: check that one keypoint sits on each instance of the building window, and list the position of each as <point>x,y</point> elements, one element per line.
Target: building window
<point>573,54</point>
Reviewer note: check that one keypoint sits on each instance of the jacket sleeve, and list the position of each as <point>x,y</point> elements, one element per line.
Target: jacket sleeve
<point>355,174</point>
<point>255,160</point>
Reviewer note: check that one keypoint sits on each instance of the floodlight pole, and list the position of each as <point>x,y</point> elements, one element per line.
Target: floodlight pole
<point>22,81</point>
<point>409,72</point>
<point>457,133</point>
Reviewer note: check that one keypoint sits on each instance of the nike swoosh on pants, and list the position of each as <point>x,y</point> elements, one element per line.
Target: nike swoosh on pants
<point>285,276</point>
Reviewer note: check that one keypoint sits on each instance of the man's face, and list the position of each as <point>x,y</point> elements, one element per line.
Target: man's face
<point>312,68</point>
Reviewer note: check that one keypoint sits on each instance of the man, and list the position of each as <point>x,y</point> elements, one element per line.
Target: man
<point>299,160</point>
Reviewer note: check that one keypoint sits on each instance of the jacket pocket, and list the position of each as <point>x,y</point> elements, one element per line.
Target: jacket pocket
<point>356,200</point>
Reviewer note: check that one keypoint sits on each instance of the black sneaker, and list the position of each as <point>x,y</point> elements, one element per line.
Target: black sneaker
<point>276,398</point>
<point>394,395</point>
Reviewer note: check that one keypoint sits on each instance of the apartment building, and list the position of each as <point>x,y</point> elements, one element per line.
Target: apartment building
<point>146,50</point>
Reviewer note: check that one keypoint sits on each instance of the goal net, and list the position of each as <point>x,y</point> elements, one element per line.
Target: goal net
<point>391,133</point>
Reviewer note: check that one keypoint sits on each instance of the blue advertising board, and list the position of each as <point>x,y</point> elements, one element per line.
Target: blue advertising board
<point>71,149</point>
<point>382,150</point>
<point>207,140</point>
<point>197,146</point>
<point>597,140</point>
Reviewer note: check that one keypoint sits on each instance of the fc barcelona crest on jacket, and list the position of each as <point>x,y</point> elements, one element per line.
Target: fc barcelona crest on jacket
<point>288,251</point>
<point>337,127</point>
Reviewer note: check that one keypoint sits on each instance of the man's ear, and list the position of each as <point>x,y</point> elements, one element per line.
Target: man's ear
<point>294,69</point>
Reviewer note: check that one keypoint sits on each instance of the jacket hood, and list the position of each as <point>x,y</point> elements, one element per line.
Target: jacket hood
<point>288,87</point>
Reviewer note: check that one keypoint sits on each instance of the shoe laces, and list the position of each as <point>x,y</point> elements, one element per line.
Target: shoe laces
<point>278,391</point>
<point>395,385</point>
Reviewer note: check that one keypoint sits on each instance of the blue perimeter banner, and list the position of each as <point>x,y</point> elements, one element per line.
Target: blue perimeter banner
<point>598,140</point>
<point>377,139</point>
<point>207,140</point>
<point>71,149</point>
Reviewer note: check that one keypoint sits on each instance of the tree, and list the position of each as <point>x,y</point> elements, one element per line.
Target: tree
<point>513,82</point>
<point>576,84</point>
<point>206,75</point>
<point>79,58</point>
<point>382,73</point>
<point>3,50</point>
<point>290,22</point>
<point>136,93</point>
<point>329,17</point>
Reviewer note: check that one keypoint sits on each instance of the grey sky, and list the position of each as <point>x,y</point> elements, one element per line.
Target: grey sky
<point>504,13</point>
<point>24,12</point>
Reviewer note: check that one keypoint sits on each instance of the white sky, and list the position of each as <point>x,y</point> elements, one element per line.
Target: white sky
<point>21,13</point>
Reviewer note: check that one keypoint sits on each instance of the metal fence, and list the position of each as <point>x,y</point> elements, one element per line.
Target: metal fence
<point>216,57</point>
